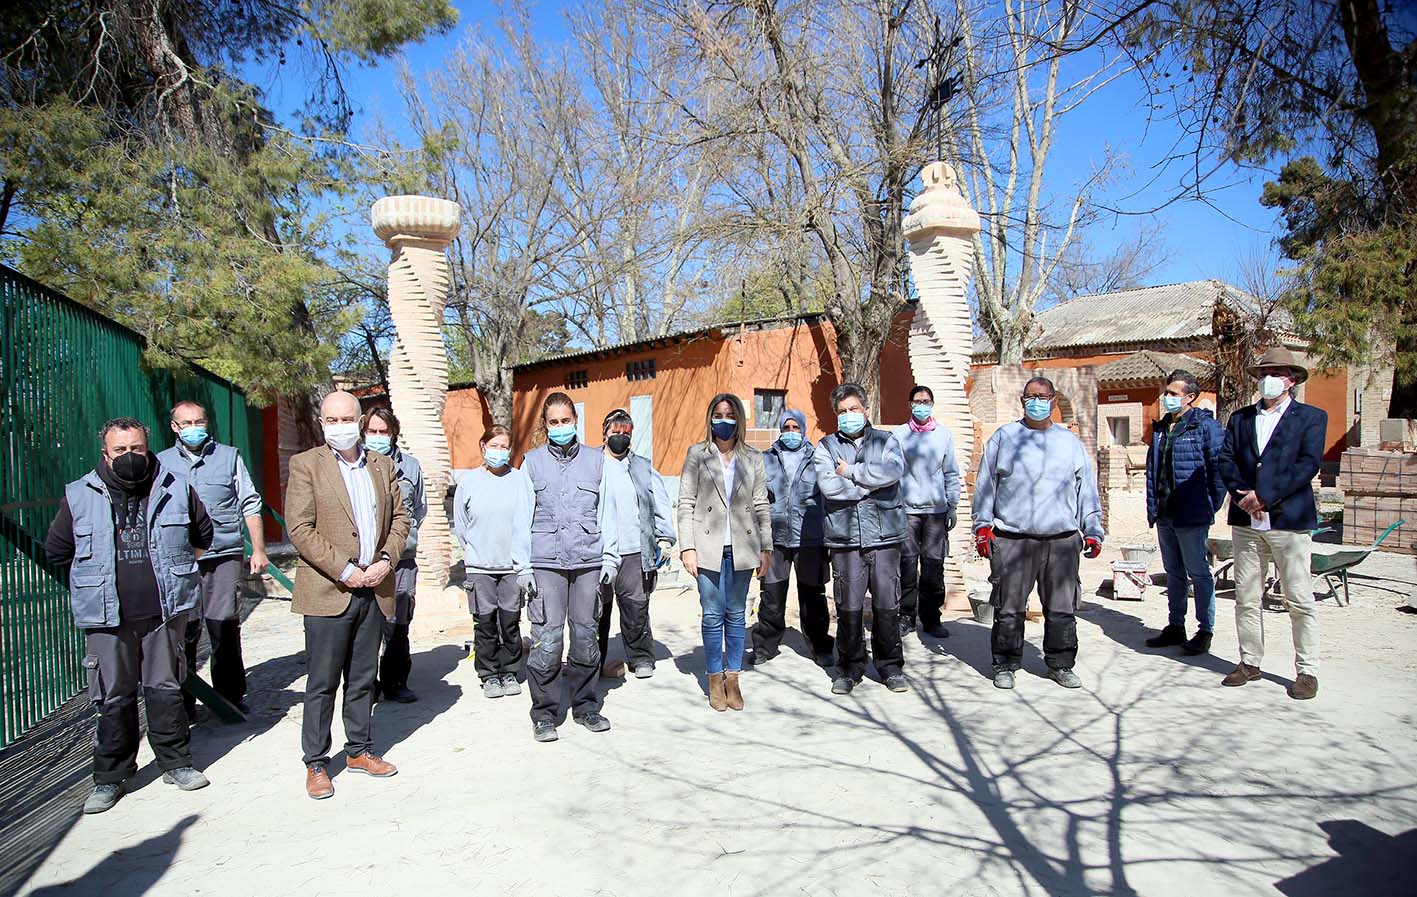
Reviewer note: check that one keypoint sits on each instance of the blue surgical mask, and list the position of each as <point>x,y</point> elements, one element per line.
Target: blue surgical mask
<point>850,422</point>
<point>562,435</point>
<point>1038,409</point>
<point>381,443</point>
<point>193,436</point>
<point>921,412</point>
<point>496,458</point>
<point>791,439</point>
<point>725,429</point>
<point>1171,404</point>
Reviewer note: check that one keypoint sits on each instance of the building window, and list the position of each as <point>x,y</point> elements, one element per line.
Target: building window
<point>640,370</point>
<point>1121,428</point>
<point>577,379</point>
<point>768,405</point>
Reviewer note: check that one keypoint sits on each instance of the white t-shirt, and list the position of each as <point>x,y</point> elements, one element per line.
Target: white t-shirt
<point>728,471</point>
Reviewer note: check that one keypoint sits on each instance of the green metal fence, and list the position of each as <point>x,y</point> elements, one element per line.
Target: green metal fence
<point>64,370</point>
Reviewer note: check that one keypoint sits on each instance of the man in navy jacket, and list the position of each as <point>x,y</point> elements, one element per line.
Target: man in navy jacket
<point>1183,491</point>
<point>1272,452</point>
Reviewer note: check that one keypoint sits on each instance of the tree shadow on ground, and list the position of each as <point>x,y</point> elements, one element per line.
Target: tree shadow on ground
<point>395,723</point>
<point>270,697</point>
<point>128,872</point>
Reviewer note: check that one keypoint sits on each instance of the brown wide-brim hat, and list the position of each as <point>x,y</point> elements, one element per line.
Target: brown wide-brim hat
<point>1278,356</point>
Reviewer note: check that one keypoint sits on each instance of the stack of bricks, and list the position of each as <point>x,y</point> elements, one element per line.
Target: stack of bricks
<point>1379,489</point>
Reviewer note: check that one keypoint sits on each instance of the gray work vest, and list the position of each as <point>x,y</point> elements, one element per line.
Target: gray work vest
<point>796,505</point>
<point>93,583</point>
<point>642,475</point>
<point>565,531</point>
<point>874,521</point>
<point>213,475</point>
<point>410,477</point>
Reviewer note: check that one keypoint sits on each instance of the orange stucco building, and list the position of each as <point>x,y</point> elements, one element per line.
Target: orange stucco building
<point>666,384</point>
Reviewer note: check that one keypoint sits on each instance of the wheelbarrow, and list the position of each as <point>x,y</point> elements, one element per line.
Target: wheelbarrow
<point>1333,567</point>
<point>1222,551</point>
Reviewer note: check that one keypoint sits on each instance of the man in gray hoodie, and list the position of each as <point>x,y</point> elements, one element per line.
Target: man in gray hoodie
<point>1035,508</point>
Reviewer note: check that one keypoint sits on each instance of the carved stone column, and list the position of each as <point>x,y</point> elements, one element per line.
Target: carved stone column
<point>418,230</point>
<point>941,228</point>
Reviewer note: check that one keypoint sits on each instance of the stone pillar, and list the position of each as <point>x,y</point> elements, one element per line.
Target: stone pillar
<point>941,228</point>
<point>418,230</point>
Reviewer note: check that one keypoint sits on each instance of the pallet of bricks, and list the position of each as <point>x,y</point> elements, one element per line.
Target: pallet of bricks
<point>1379,488</point>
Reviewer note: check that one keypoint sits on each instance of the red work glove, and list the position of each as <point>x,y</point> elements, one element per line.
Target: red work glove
<point>1091,547</point>
<point>984,541</point>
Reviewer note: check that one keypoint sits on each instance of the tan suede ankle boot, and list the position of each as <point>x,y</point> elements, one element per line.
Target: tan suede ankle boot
<point>717,699</point>
<point>731,692</point>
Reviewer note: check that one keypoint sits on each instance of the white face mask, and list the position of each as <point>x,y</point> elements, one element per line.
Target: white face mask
<point>1271,387</point>
<point>341,437</point>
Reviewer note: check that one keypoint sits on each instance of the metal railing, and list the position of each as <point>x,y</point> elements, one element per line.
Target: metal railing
<point>64,370</point>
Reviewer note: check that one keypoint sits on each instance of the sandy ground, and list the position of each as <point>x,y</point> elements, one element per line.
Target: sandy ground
<point>1150,780</point>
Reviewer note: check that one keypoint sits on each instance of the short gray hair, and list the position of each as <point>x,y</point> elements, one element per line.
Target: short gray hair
<point>122,423</point>
<point>846,391</point>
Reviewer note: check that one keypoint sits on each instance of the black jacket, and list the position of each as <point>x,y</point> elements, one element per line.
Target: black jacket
<point>1284,474</point>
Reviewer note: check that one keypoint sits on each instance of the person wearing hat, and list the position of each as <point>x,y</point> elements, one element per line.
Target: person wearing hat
<point>1272,452</point>
<point>645,537</point>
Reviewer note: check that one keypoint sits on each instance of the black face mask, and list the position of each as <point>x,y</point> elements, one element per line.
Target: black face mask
<point>619,444</point>
<point>132,467</point>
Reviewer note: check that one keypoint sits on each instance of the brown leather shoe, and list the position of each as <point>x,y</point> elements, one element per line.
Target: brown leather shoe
<point>731,692</point>
<point>1304,687</point>
<point>317,782</point>
<point>718,700</point>
<point>1240,675</point>
<point>371,765</point>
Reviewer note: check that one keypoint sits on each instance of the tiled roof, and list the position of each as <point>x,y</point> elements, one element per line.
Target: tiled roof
<point>1177,311</point>
<point>1149,366</point>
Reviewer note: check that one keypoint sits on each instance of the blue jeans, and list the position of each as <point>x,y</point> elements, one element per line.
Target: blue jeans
<point>1183,557</point>
<point>723,596</point>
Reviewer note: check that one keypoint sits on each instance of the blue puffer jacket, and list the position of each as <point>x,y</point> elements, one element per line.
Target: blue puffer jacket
<point>1197,488</point>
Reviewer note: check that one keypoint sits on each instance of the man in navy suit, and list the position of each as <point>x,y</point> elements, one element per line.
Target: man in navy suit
<point>1272,452</point>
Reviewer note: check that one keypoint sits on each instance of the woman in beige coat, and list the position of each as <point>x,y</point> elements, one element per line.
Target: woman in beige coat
<point>725,532</point>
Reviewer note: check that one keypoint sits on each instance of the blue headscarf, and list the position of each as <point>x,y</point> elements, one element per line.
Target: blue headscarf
<point>793,414</point>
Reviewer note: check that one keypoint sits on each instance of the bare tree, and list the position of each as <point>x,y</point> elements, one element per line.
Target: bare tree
<point>1127,266</point>
<point>821,97</point>
<point>1016,89</point>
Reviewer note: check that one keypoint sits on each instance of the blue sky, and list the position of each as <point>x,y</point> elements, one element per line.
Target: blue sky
<point>1203,239</point>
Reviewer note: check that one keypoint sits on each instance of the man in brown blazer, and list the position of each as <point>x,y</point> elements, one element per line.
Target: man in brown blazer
<point>346,517</point>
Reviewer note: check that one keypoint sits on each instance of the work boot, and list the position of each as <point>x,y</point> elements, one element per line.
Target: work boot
<point>1003,678</point>
<point>371,765</point>
<point>718,698</point>
<point>186,778</point>
<point>510,685</point>
<point>493,687</point>
<point>732,695</point>
<point>937,631</point>
<point>644,670</point>
<point>1171,635</point>
<point>544,730</point>
<point>401,694</point>
<point>907,625</point>
<point>1240,675</point>
<point>897,683</point>
<point>594,722</point>
<point>1198,643</point>
<point>1304,687</point>
<point>1065,678</point>
<point>317,782</point>
<point>842,685</point>
<point>103,798</point>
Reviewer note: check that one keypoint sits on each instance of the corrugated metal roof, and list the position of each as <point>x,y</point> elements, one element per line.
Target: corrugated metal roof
<point>676,336</point>
<point>1149,366</point>
<point>1176,311</point>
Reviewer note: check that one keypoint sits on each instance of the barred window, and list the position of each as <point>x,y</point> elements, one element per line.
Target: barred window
<point>640,370</point>
<point>577,379</point>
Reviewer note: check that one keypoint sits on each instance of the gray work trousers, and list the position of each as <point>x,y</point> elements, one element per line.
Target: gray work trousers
<point>564,596</point>
<point>119,660</point>
<point>1016,565</point>
<point>396,664</point>
<point>495,602</point>
<point>628,591</point>
<point>922,567</point>
<point>221,616</point>
<point>854,572</point>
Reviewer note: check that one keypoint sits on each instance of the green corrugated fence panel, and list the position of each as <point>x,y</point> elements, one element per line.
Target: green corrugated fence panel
<point>64,370</point>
